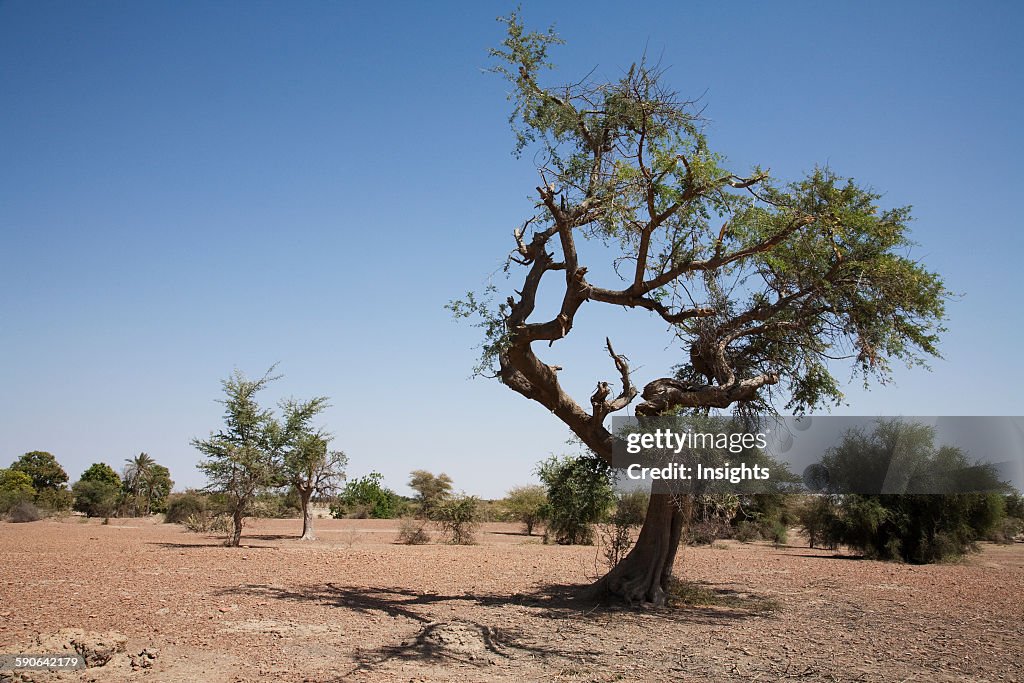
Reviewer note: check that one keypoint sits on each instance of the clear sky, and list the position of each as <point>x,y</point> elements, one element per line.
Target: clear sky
<point>191,187</point>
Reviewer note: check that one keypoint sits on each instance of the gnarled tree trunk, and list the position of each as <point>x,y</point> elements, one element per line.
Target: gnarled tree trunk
<point>644,575</point>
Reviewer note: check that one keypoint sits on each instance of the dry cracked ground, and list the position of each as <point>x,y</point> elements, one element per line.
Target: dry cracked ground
<point>151,602</point>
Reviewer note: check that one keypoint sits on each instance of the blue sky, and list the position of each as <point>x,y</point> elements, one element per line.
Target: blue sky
<point>193,187</point>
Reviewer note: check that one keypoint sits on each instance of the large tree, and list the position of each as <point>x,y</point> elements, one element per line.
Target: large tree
<point>763,287</point>
<point>43,468</point>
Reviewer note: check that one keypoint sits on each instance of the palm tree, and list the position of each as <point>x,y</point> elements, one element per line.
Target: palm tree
<point>138,479</point>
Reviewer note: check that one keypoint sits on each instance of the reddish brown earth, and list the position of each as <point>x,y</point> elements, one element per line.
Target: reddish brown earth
<point>357,606</point>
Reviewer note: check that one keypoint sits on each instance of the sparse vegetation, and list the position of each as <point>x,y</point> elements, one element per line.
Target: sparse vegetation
<point>366,497</point>
<point>432,491</point>
<point>413,532</point>
<point>457,517</point>
<point>527,504</point>
<point>579,494</point>
<point>24,511</point>
<point>180,506</point>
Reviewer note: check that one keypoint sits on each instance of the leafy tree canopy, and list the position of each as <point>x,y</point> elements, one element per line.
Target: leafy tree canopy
<point>101,472</point>
<point>43,468</point>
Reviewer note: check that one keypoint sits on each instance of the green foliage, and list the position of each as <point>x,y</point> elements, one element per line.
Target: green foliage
<point>54,500</point>
<point>96,497</point>
<point>431,491</point>
<point>914,526</point>
<point>579,494</point>
<point>146,485</point>
<point>181,506</point>
<point>366,497</point>
<point>527,504</point>
<point>784,278</point>
<point>276,505</point>
<point>308,464</point>
<point>43,468</point>
<point>101,472</point>
<point>458,517</point>
<point>765,516</point>
<point>15,488</point>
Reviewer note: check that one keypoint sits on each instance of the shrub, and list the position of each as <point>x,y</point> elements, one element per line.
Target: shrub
<point>413,532</point>
<point>95,497</point>
<point>457,517</point>
<point>778,533</point>
<point>432,490</point>
<point>366,497</point>
<point>24,511</point>
<point>526,504</point>
<point>579,494</point>
<point>207,522</point>
<point>617,533</point>
<point>746,532</point>
<point>55,500</point>
<point>15,487</point>
<point>708,517</point>
<point>181,506</point>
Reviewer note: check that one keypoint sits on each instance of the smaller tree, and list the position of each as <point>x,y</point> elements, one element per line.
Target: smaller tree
<point>579,494</point>
<point>103,473</point>
<point>314,471</point>
<point>431,490</point>
<point>15,488</point>
<point>458,518</point>
<point>95,497</point>
<point>526,504</point>
<point>366,497</point>
<point>146,485</point>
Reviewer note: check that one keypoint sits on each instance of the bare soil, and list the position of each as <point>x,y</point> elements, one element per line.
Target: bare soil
<point>153,602</point>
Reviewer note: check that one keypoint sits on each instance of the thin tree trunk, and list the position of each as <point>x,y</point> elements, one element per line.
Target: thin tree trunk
<point>236,534</point>
<point>644,575</point>
<point>307,515</point>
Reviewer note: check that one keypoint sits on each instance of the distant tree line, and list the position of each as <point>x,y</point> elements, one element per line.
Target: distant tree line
<point>35,485</point>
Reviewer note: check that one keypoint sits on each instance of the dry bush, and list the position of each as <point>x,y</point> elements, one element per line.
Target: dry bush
<point>413,532</point>
<point>206,523</point>
<point>24,511</point>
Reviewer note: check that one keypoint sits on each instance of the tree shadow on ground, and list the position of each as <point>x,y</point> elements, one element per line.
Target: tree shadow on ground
<point>211,543</point>
<point>439,627</point>
<point>552,601</point>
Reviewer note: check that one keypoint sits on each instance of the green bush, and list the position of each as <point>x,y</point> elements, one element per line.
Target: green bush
<point>102,472</point>
<point>527,504</point>
<point>207,522</point>
<point>15,487</point>
<point>618,532</point>
<point>55,500</point>
<point>96,498</point>
<point>457,516</point>
<point>579,495</point>
<point>746,532</point>
<point>181,506</point>
<point>367,497</point>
